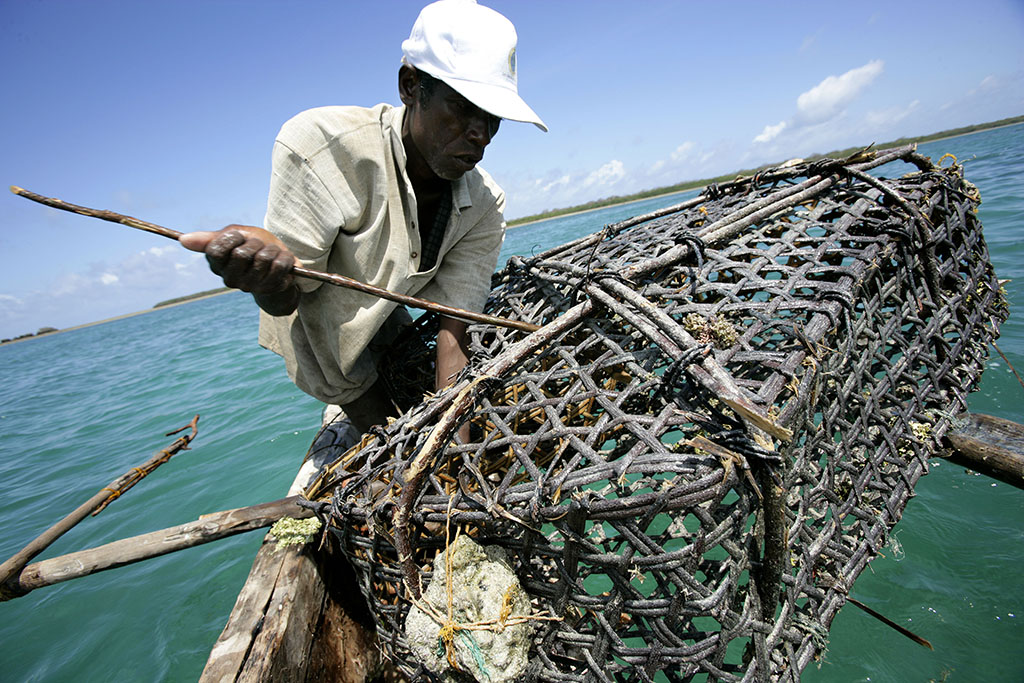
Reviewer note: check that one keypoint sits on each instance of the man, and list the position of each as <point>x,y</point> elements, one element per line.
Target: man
<point>388,196</point>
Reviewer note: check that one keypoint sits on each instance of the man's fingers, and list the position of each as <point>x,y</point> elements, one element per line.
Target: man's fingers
<point>196,241</point>
<point>237,263</point>
<point>256,278</point>
<point>280,271</point>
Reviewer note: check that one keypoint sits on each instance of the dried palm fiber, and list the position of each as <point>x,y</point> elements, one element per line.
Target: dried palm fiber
<point>723,416</point>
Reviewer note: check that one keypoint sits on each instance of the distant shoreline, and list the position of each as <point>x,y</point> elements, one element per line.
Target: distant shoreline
<point>624,202</point>
<point>632,199</point>
<point>695,184</point>
<point>159,307</point>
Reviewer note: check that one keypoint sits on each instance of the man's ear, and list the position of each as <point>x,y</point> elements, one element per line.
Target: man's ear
<point>408,84</point>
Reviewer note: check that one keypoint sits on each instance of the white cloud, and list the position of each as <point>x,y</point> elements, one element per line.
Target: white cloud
<point>69,284</point>
<point>108,278</point>
<point>10,306</point>
<point>827,99</point>
<point>559,182</point>
<point>679,162</point>
<point>682,151</point>
<point>988,84</point>
<point>823,104</point>
<point>688,160</point>
<point>606,176</point>
<point>994,97</point>
<point>882,118</point>
<point>771,132</point>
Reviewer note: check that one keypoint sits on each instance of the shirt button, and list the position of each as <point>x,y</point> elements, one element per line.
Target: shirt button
<point>414,254</point>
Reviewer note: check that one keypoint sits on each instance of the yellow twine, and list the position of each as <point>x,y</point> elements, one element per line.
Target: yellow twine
<point>114,493</point>
<point>449,627</point>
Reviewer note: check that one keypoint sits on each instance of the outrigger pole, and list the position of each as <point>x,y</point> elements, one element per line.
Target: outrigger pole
<point>13,566</point>
<point>207,528</point>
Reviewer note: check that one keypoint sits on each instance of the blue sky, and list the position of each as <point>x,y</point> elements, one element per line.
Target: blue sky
<point>167,110</point>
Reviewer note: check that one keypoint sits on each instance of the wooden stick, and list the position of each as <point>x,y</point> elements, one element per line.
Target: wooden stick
<point>95,504</point>
<point>130,550</point>
<point>889,622</point>
<point>299,271</point>
<point>1008,363</point>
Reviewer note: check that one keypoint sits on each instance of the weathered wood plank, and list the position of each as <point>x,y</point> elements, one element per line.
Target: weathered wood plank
<point>280,649</point>
<point>229,653</point>
<point>290,624</point>
<point>345,647</point>
<point>299,617</point>
<point>992,446</point>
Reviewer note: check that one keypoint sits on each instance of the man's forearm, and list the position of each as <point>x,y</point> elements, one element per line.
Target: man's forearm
<point>452,353</point>
<point>452,357</point>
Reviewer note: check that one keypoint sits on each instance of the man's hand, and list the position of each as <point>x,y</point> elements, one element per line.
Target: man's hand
<point>252,260</point>
<point>248,258</point>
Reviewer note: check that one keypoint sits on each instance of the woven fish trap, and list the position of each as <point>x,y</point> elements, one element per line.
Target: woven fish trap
<point>724,414</point>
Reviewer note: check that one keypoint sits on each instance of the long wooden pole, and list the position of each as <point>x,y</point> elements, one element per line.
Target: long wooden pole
<point>299,271</point>
<point>207,528</point>
<point>94,505</point>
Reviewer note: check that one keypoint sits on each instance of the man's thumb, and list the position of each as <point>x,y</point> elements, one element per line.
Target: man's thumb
<point>196,241</point>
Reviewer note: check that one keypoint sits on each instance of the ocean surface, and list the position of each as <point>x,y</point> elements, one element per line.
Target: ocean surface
<point>78,409</point>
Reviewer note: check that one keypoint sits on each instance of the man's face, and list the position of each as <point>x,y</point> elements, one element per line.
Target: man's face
<point>449,131</point>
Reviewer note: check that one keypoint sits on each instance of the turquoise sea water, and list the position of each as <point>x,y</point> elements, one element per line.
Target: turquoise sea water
<point>80,408</point>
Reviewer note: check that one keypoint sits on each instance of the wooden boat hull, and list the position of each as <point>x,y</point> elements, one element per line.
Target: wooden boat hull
<point>297,618</point>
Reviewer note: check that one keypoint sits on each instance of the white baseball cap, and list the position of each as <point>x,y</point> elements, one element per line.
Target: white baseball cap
<point>472,48</point>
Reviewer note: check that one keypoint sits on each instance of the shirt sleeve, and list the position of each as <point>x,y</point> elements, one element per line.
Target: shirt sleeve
<point>463,278</point>
<point>301,211</point>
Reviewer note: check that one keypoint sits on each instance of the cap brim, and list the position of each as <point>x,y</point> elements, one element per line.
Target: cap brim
<point>496,100</point>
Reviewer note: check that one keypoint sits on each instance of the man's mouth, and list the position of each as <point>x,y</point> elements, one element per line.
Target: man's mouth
<point>469,160</point>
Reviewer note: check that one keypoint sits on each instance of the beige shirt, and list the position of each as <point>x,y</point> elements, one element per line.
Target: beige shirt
<point>341,200</point>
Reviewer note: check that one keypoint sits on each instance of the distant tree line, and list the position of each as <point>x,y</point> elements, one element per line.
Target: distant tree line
<point>189,297</point>
<point>694,184</point>
<point>42,331</point>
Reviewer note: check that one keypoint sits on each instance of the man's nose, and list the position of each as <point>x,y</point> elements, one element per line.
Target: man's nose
<point>482,127</point>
